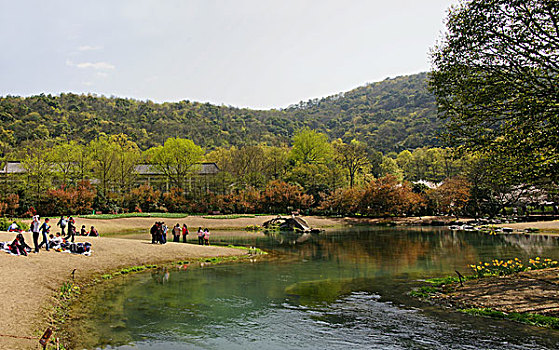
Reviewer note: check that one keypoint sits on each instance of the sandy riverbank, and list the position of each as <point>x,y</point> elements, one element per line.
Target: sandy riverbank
<point>534,292</point>
<point>29,283</point>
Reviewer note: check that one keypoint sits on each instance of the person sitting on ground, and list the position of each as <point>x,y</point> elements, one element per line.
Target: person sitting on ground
<point>14,228</point>
<point>206,237</point>
<point>200,236</point>
<point>184,233</point>
<point>56,241</point>
<point>18,246</point>
<point>93,232</point>
<point>83,231</point>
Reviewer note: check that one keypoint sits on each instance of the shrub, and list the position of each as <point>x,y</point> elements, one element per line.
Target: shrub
<point>142,199</point>
<point>74,200</point>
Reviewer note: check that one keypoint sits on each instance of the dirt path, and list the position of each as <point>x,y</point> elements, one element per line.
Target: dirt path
<point>530,291</point>
<point>29,283</point>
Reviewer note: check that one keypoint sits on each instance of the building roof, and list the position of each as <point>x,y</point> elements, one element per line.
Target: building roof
<point>204,169</point>
<point>13,168</point>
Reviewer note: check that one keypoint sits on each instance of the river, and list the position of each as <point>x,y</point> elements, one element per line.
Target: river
<point>343,289</point>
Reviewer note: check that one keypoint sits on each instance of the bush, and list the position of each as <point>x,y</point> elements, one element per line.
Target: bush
<point>9,205</point>
<point>72,200</point>
<point>143,199</point>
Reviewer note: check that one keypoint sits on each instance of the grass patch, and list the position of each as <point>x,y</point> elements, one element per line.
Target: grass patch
<point>134,215</point>
<point>526,318</point>
<point>128,270</point>
<point>423,292</point>
<point>228,217</point>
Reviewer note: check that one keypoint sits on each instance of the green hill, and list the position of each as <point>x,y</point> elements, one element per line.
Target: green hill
<point>390,115</point>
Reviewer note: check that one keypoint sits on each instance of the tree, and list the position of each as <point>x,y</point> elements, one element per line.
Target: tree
<point>103,152</point>
<point>496,79</point>
<point>310,147</point>
<point>128,156</point>
<point>353,157</point>
<point>452,196</point>
<point>176,159</point>
<point>37,161</point>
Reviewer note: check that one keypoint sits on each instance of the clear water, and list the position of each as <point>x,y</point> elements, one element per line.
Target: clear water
<point>340,290</point>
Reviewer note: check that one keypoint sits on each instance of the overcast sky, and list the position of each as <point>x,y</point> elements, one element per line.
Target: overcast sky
<point>245,53</point>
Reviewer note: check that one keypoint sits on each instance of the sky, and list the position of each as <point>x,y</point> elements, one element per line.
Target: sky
<point>246,53</point>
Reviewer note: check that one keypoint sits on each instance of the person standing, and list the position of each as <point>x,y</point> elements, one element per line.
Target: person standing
<point>206,237</point>
<point>62,223</point>
<point>35,227</point>
<point>177,233</point>
<point>184,233</point>
<point>154,230</point>
<point>200,236</point>
<point>71,229</point>
<point>164,230</point>
<point>45,229</point>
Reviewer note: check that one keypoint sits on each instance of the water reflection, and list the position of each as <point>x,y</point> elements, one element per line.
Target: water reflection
<point>335,290</point>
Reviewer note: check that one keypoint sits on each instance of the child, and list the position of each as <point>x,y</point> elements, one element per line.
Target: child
<point>206,237</point>
<point>200,236</point>
<point>93,232</point>
<point>83,231</point>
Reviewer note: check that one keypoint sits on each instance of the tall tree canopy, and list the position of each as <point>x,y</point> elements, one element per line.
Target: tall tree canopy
<point>496,81</point>
<point>176,159</point>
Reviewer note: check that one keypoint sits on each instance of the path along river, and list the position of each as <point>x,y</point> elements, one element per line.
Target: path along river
<point>344,289</point>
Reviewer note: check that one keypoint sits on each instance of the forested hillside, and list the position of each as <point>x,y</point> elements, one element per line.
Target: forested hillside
<point>391,115</point>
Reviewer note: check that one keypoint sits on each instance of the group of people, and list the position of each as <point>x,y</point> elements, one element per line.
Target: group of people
<point>49,241</point>
<point>159,234</point>
<point>203,236</point>
<point>70,223</point>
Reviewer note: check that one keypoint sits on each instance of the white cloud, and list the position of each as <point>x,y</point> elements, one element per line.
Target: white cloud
<point>87,83</point>
<point>102,74</point>
<point>94,65</point>
<point>89,48</point>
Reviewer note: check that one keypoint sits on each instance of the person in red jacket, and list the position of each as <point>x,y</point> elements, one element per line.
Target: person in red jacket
<point>184,233</point>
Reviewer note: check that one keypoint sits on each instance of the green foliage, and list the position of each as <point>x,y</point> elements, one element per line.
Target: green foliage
<point>391,115</point>
<point>527,318</point>
<point>227,217</point>
<point>134,215</point>
<point>310,147</point>
<point>176,159</point>
<point>69,290</point>
<point>423,292</point>
<point>495,78</point>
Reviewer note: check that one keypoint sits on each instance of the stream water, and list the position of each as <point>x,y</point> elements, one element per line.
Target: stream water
<point>338,290</point>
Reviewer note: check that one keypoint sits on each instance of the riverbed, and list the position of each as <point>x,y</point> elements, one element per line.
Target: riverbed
<point>342,289</point>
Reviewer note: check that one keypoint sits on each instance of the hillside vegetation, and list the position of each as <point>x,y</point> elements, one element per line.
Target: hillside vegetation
<point>390,115</point>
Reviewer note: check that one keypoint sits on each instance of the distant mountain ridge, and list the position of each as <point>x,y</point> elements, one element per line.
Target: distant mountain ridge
<point>390,115</point>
